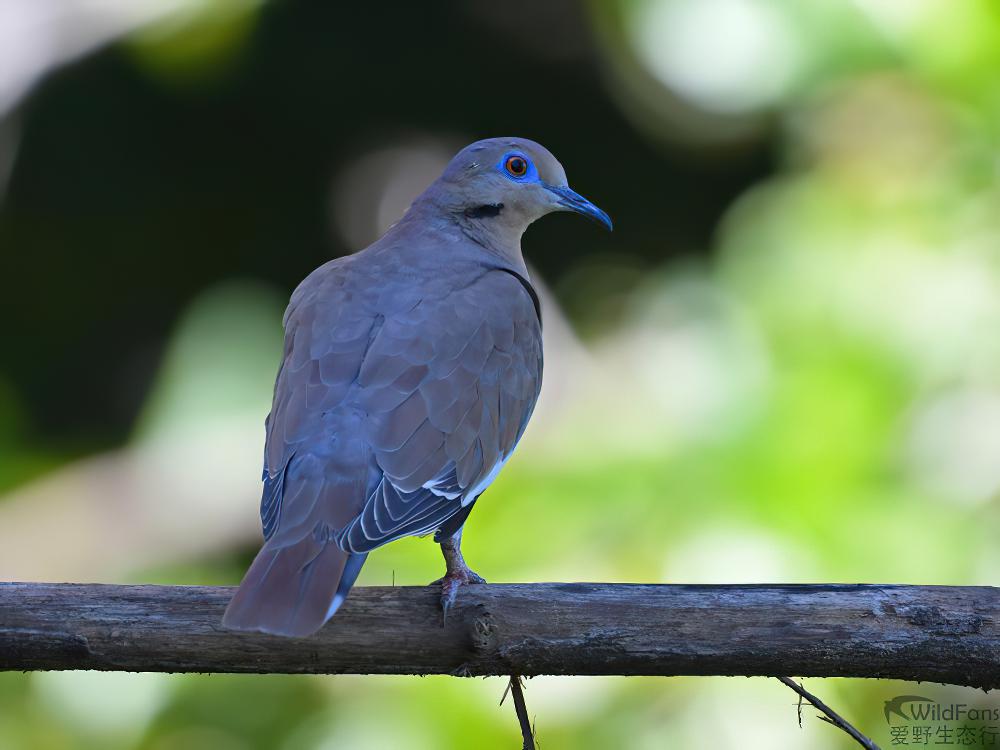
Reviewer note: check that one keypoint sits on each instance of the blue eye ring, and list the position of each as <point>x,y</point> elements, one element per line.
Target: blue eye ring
<point>516,166</point>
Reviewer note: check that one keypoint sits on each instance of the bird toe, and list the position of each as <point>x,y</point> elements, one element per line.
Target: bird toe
<point>449,589</point>
<point>450,585</point>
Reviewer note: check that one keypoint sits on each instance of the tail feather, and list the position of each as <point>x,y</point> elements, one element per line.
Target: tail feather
<point>293,590</point>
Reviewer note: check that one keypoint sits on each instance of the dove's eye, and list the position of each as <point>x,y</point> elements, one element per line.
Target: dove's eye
<point>516,166</point>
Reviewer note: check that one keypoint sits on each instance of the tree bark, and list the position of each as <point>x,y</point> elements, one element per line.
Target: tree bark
<point>946,634</point>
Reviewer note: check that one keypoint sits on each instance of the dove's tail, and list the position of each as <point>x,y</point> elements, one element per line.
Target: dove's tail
<point>293,590</point>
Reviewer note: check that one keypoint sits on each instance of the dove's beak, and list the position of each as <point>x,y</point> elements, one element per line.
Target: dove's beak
<point>570,200</point>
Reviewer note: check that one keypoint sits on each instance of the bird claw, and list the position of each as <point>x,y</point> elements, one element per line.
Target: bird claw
<point>450,584</point>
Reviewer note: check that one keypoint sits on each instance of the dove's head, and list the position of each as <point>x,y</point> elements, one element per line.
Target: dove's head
<point>504,184</point>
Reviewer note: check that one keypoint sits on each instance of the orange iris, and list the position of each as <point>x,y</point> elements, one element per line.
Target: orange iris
<point>517,166</point>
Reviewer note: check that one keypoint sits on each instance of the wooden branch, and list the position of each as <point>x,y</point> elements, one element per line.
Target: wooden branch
<point>938,633</point>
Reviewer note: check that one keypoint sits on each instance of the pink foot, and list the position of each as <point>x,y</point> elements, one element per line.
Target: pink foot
<point>450,584</point>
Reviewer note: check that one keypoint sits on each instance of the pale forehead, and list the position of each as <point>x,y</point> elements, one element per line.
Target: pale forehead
<point>491,150</point>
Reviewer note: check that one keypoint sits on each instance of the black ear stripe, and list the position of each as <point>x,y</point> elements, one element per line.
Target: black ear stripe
<point>484,212</point>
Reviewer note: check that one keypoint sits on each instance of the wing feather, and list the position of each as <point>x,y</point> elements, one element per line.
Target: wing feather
<point>390,411</point>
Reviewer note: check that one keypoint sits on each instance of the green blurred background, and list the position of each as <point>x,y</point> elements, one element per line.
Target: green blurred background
<point>782,366</point>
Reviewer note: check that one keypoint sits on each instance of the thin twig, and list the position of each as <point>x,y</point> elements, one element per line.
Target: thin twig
<point>521,709</point>
<point>831,717</point>
<point>506,690</point>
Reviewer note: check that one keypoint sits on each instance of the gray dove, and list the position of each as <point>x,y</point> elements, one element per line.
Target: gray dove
<point>409,374</point>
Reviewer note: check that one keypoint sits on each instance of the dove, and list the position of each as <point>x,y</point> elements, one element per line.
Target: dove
<point>409,373</point>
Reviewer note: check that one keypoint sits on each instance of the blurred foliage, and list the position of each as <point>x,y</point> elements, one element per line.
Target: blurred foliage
<point>201,41</point>
<point>796,322</point>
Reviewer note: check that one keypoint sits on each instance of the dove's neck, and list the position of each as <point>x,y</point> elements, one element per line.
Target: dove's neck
<point>504,241</point>
<point>495,228</point>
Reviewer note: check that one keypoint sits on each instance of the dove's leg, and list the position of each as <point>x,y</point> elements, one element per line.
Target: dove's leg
<point>458,572</point>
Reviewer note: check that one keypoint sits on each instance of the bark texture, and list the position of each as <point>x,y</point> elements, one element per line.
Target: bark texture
<point>947,634</point>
